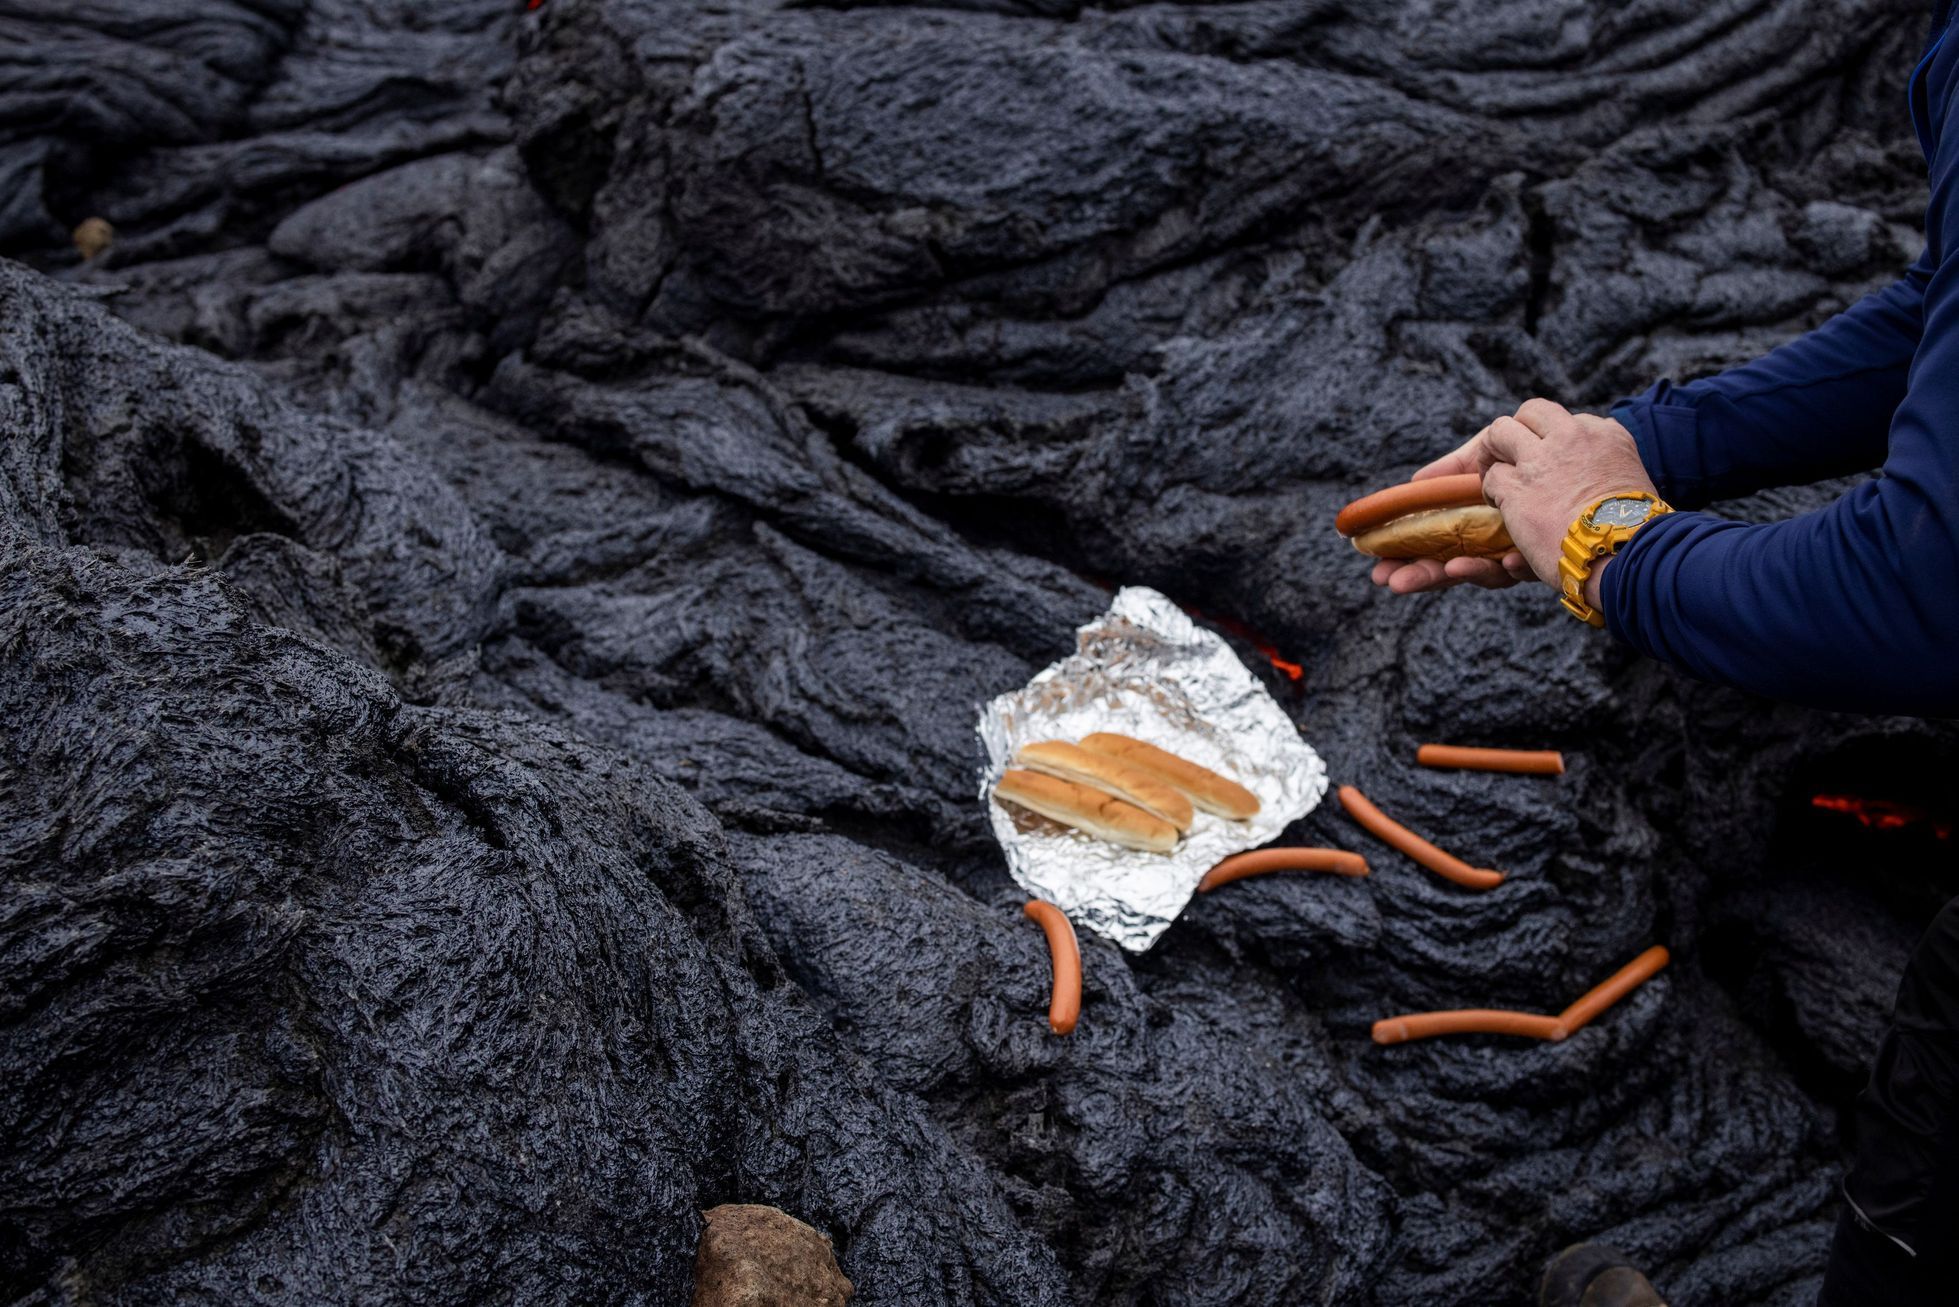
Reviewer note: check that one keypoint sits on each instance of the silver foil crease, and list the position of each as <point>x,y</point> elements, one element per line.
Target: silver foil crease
<point>1145,669</point>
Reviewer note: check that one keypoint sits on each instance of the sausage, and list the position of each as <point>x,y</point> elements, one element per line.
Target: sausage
<point>1472,1021</point>
<point>1391,832</point>
<point>1498,1021</point>
<point>1371,511</point>
<point>1621,983</point>
<point>1260,861</point>
<point>1066,1004</point>
<point>1528,762</point>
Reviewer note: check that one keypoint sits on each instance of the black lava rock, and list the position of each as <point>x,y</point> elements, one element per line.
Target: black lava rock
<point>500,557</point>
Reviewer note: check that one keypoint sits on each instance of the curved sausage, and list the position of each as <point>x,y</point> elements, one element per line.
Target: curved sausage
<point>1621,983</point>
<point>1391,832</point>
<point>1409,497</point>
<point>1528,762</point>
<point>1499,1021</point>
<point>1471,1021</point>
<point>1260,861</point>
<point>1066,1004</point>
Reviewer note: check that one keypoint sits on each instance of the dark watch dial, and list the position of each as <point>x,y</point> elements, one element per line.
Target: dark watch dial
<point>1622,512</point>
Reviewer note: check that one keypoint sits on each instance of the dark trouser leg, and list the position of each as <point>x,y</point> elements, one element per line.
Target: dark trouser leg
<point>1868,1270</point>
<point>1904,1177</point>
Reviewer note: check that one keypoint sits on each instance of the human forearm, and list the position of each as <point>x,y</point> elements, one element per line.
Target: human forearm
<point>1855,606</point>
<point>1846,608</point>
<point>1819,406</point>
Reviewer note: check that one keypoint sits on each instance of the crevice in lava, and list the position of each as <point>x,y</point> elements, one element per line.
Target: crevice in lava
<point>1887,800</point>
<point>1541,241</point>
<point>983,521</point>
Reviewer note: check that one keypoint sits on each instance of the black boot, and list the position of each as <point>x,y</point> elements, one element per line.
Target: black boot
<point>1593,1275</point>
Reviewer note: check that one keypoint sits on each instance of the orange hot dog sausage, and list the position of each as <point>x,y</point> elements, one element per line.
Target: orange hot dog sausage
<point>1260,861</point>
<point>1371,511</point>
<point>1391,832</point>
<point>1621,983</point>
<point>1497,1021</point>
<point>1527,762</point>
<point>1065,1007</point>
<point>1472,1021</point>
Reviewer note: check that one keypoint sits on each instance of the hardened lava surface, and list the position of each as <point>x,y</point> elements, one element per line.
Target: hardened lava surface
<point>500,557</point>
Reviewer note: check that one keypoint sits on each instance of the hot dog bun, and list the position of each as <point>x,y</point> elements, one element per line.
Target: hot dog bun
<point>1466,531</point>
<point>1088,810</point>
<point>1145,789</point>
<point>1203,787</point>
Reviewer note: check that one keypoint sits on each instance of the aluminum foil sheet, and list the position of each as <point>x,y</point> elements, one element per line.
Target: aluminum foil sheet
<point>1145,669</point>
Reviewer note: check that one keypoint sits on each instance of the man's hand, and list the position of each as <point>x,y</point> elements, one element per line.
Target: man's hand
<point>1541,469</point>
<point>1548,465</point>
<point>1407,576</point>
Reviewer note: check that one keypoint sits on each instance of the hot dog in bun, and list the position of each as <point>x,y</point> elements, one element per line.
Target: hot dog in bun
<point>1440,518</point>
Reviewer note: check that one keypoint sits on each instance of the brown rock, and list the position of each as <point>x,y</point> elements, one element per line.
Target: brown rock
<point>94,235</point>
<point>755,1256</point>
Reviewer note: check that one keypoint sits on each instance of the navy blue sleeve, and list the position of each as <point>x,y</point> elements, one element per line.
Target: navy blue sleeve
<point>1855,606</point>
<point>1817,407</point>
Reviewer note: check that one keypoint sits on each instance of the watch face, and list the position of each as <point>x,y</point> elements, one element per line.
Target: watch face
<point>1622,512</point>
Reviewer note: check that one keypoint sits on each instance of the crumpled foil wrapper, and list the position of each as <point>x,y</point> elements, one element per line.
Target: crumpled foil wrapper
<point>1145,669</point>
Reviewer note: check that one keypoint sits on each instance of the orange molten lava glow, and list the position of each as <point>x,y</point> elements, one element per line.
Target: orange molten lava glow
<point>1290,670</point>
<point>1880,814</point>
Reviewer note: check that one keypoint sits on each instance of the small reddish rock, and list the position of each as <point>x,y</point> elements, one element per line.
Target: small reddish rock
<point>755,1256</point>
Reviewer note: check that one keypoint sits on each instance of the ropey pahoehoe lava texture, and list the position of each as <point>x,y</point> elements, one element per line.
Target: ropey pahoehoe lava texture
<point>500,557</point>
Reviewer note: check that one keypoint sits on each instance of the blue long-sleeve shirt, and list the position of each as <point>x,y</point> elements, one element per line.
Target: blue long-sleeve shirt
<point>1855,606</point>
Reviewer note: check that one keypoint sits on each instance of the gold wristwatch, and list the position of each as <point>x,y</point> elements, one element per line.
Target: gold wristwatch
<point>1598,533</point>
